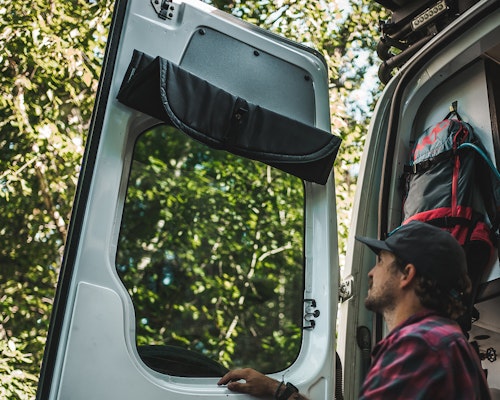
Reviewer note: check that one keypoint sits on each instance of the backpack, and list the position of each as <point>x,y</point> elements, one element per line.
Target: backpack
<point>451,183</point>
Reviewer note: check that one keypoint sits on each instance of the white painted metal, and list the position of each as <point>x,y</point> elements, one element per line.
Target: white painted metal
<point>97,357</point>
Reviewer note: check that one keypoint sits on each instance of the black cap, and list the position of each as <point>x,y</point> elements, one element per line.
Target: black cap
<point>434,252</point>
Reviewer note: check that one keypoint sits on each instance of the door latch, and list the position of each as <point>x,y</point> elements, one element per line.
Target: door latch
<point>165,9</point>
<point>310,314</point>
<point>346,289</point>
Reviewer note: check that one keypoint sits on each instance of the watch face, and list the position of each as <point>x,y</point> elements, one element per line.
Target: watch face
<point>290,388</point>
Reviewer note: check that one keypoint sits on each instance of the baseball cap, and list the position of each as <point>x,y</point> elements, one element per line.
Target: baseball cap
<point>434,252</point>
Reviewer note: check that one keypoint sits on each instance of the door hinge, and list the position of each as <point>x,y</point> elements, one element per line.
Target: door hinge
<point>310,314</point>
<point>165,9</point>
<point>345,289</point>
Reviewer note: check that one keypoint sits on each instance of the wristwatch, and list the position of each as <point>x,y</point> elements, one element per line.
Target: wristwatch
<point>289,390</point>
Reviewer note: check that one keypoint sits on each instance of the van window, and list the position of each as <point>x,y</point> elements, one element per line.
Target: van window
<point>211,253</point>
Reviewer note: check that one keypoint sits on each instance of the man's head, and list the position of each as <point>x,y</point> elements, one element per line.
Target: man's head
<point>438,258</point>
<point>383,283</point>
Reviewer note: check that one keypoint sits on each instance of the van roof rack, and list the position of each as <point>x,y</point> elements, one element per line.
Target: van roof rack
<point>412,24</point>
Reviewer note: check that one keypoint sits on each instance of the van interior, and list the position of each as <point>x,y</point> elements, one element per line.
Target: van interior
<point>468,75</point>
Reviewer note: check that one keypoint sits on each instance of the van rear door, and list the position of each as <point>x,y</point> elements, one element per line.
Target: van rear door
<point>203,234</point>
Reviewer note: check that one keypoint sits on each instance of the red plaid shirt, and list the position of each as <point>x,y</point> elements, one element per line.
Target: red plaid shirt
<point>426,357</point>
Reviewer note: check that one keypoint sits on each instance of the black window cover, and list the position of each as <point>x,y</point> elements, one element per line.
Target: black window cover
<point>161,89</point>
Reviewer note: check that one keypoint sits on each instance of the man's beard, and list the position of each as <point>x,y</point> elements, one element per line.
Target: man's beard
<point>382,301</point>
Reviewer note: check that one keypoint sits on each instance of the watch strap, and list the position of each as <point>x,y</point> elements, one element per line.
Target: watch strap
<point>289,390</point>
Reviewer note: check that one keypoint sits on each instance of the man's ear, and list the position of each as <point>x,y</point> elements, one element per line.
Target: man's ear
<point>408,275</point>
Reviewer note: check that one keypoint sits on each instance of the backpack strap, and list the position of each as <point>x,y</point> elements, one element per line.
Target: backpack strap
<point>425,165</point>
<point>454,111</point>
<point>448,222</point>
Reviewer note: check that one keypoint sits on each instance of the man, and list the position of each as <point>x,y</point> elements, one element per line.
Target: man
<point>418,284</point>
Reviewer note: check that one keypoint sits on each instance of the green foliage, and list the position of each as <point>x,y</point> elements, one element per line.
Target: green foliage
<point>15,381</point>
<point>49,67</point>
<point>196,253</point>
<point>346,34</point>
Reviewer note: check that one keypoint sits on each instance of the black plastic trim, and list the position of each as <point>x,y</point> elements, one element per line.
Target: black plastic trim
<point>222,120</point>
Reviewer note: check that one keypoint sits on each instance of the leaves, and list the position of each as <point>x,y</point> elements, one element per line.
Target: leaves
<point>208,244</point>
<point>49,69</point>
<point>14,381</point>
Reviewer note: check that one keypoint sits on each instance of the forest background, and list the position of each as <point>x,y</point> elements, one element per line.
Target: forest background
<point>50,59</point>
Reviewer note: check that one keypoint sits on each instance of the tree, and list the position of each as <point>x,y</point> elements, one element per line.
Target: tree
<point>346,33</point>
<point>210,249</point>
<point>50,64</point>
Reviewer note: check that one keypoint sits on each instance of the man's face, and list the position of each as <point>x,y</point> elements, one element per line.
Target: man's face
<point>383,279</point>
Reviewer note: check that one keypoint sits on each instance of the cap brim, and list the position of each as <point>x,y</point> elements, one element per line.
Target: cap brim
<point>375,245</point>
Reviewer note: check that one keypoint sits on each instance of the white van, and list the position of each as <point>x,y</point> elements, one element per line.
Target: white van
<point>204,229</point>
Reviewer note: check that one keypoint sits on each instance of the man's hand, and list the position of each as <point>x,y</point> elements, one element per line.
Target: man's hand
<point>256,384</point>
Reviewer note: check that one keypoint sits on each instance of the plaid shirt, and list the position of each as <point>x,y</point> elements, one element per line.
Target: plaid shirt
<point>426,357</point>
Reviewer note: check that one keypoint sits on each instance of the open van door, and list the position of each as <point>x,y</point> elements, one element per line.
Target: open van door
<point>203,235</point>
<point>446,52</point>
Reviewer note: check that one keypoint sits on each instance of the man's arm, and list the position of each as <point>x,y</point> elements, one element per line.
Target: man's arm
<point>256,384</point>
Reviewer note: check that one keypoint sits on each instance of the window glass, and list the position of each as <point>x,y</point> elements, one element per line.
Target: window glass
<point>211,252</point>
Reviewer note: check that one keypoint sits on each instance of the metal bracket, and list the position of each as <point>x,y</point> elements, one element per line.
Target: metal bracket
<point>165,9</point>
<point>310,314</point>
<point>346,289</point>
<point>491,354</point>
<point>429,15</point>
